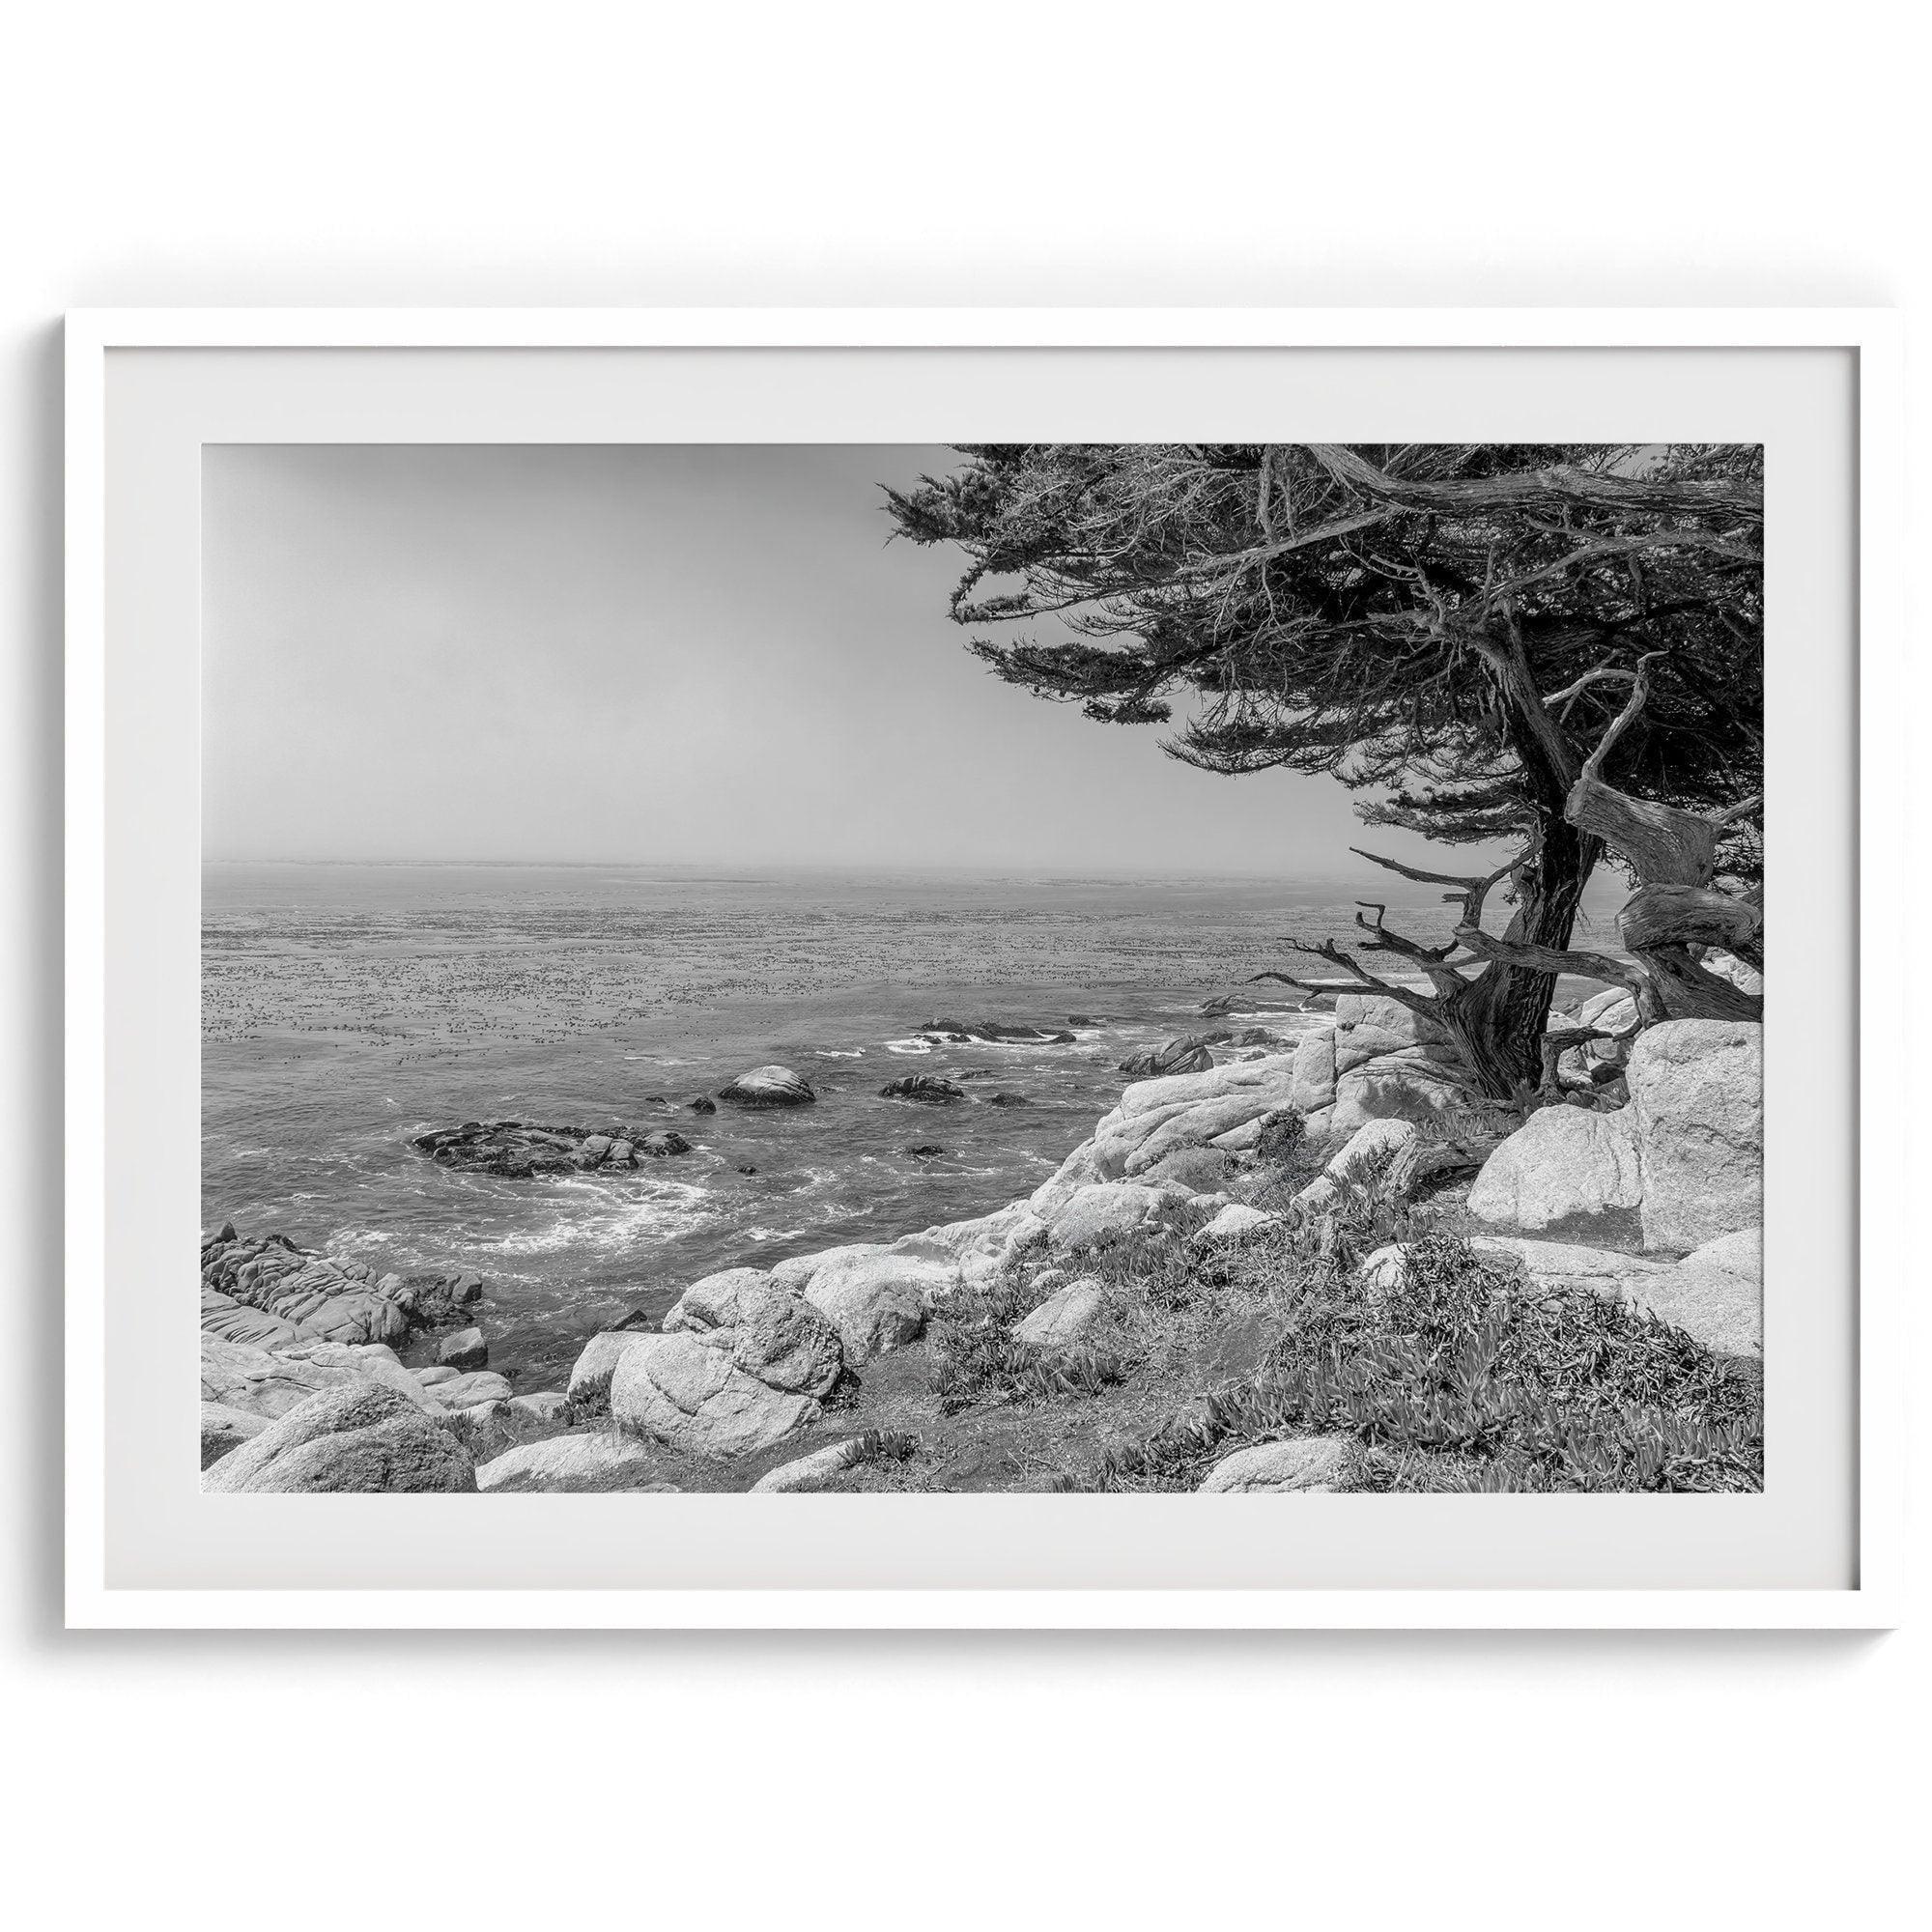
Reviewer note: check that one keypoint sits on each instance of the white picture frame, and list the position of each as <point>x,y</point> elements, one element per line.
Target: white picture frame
<point>1870,1597</point>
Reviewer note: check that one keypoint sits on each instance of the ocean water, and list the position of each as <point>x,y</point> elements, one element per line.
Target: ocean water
<point>348,1008</point>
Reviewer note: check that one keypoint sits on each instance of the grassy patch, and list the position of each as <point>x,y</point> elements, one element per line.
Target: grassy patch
<point>1467,1377</point>
<point>977,1357</point>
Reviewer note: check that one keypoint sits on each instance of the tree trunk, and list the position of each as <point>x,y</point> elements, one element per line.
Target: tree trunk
<point>1675,906</point>
<point>1675,912</point>
<point>1498,1018</point>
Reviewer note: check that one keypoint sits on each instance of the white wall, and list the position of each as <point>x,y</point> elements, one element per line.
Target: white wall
<point>358,154</point>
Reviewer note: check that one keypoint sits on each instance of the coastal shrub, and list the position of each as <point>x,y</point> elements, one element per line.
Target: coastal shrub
<point>884,1445</point>
<point>1273,1181</point>
<point>1468,1376</point>
<point>1475,1119</point>
<point>1281,1133</point>
<point>1364,1215</point>
<point>977,1357</point>
<point>1163,1274</point>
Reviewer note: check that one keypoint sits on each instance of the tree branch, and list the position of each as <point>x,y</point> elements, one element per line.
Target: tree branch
<point>1419,1002</point>
<point>1551,958</point>
<point>1472,891</point>
<point>1431,958</point>
<point>1634,705</point>
<point>1534,489</point>
<point>1601,675</point>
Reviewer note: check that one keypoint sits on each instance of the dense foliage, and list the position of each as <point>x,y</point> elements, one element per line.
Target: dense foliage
<point>1447,629</point>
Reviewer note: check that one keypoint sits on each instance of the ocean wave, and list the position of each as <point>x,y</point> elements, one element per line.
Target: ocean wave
<point>914,1045</point>
<point>828,1177</point>
<point>838,1053</point>
<point>611,1220</point>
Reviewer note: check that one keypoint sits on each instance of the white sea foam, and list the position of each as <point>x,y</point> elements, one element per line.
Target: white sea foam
<point>611,1220</point>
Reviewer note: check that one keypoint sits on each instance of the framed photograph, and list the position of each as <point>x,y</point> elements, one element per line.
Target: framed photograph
<point>985,969</point>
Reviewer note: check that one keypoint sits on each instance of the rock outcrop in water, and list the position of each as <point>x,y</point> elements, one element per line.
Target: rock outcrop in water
<point>1192,1053</point>
<point>319,1325</point>
<point>995,1033</point>
<point>265,1291</point>
<point>930,1087</point>
<point>768,1087</point>
<point>518,1151</point>
<point>463,1352</point>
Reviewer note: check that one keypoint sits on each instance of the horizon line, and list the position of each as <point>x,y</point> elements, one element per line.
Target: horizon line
<point>1061,869</point>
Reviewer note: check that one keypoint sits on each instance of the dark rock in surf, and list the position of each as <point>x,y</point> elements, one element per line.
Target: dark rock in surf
<point>463,1352</point>
<point>521,1150</point>
<point>768,1087</point>
<point>928,1087</point>
<point>1187,1055</point>
<point>265,1291</point>
<point>703,1103</point>
<point>926,1151</point>
<point>995,1032</point>
<point>1007,1100</point>
<point>1214,1009</point>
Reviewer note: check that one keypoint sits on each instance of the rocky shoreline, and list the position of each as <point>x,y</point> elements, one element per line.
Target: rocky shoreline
<point>1640,1183</point>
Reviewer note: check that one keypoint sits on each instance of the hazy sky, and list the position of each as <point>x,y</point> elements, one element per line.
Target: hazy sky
<point>657,654</point>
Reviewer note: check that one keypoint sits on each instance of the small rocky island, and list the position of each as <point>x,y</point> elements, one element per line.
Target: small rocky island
<point>994,1033</point>
<point>519,1150</point>
<point>768,1087</point>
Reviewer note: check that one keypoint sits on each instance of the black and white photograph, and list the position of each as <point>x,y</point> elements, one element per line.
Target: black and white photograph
<point>1043,968</point>
<point>965,965</point>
